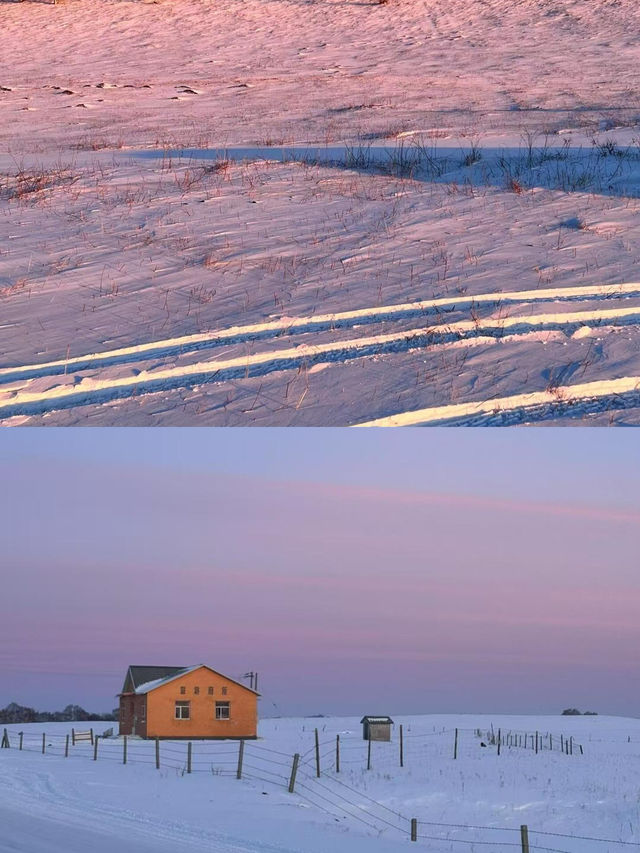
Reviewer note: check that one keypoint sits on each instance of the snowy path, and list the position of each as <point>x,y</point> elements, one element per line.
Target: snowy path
<point>81,387</point>
<point>57,806</point>
<point>562,400</point>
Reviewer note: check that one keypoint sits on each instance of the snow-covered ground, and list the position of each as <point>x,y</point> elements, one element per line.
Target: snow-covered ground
<point>211,212</point>
<point>475,802</point>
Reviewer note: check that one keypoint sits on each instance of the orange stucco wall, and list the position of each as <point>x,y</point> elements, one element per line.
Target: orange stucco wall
<point>161,721</point>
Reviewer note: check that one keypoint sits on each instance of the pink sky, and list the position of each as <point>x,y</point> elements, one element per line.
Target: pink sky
<point>346,597</point>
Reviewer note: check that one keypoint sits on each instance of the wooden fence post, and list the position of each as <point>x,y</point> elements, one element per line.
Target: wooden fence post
<point>414,829</point>
<point>91,733</point>
<point>240,758</point>
<point>5,740</point>
<point>294,770</point>
<point>369,753</point>
<point>157,753</point>
<point>581,750</point>
<point>124,750</point>
<point>73,737</point>
<point>536,743</point>
<point>455,745</point>
<point>21,736</point>
<point>317,755</point>
<point>524,838</point>
<point>189,757</point>
<point>499,740</point>
<point>95,748</point>
<point>401,747</point>
<point>66,747</point>
<point>43,739</point>
<point>337,753</point>
<point>571,745</point>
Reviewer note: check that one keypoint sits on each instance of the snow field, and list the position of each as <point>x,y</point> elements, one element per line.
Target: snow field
<point>474,802</point>
<point>297,160</point>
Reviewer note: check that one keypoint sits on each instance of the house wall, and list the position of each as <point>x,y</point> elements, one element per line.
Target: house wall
<point>161,721</point>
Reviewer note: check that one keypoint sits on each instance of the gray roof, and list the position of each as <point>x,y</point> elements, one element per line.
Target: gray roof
<point>137,675</point>
<point>143,679</point>
<point>376,720</point>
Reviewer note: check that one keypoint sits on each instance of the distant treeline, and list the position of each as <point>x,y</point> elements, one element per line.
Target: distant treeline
<point>15,713</point>
<point>573,712</point>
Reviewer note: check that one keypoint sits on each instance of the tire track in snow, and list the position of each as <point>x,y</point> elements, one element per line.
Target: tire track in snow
<point>95,390</point>
<point>577,400</point>
<point>314,323</point>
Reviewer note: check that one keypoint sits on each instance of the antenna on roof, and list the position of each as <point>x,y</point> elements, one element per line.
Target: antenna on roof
<point>253,680</point>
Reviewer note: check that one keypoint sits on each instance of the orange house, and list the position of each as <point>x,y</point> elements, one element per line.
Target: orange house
<point>186,702</point>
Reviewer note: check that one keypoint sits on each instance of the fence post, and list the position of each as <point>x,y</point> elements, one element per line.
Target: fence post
<point>581,750</point>
<point>5,740</point>
<point>337,753</point>
<point>66,747</point>
<point>536,743</point>
<point>524,838</point>
<point>571,745</point>
<point>91,733</point>
<point>124,750</point>
<point>73,737</point>
<point>43,739</point>
<point>414,829</point>
<point>240,757</point>
<point>189,757</point>
<point>401,747</point>
<point>369,753</point>
<point>157,753</point>
<point>499,740</point>
<point>317,755</point>
<point>95,748</point>
<point>20,746</point>
<point>455,745</point>
<point>294,770</point>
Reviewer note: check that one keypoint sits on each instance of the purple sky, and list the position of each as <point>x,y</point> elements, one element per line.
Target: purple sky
<point>358,571</point>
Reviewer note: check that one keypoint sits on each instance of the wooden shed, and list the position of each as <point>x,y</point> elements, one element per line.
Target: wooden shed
<point>376,728</point>
<point>186,702</point>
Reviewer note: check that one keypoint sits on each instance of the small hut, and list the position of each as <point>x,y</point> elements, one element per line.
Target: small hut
<point>376,728</point>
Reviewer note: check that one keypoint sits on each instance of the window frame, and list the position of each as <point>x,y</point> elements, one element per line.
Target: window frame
<point>182,706</point>
<point>223,706</point>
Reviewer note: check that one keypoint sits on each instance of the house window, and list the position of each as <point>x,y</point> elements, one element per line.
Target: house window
<point>224,691</point>
<point>196,690</point>
<point>223,711</point>
<point>183,690</point>
<point>143,712</point>
<point>182,710</point>
<point>211,691</point>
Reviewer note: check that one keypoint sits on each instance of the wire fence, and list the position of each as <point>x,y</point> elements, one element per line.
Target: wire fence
<point>315,777</point>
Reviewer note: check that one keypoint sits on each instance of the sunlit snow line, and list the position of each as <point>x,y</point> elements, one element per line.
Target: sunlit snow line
<point>300,325</point>
<point>566,400</point>
<point>95,390</point>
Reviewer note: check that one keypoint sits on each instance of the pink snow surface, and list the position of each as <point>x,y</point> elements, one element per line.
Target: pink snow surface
<point>186,186</point>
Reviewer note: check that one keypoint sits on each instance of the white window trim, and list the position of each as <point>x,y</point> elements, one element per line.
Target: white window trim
<point>180,706</point>
<point>223,707</point>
